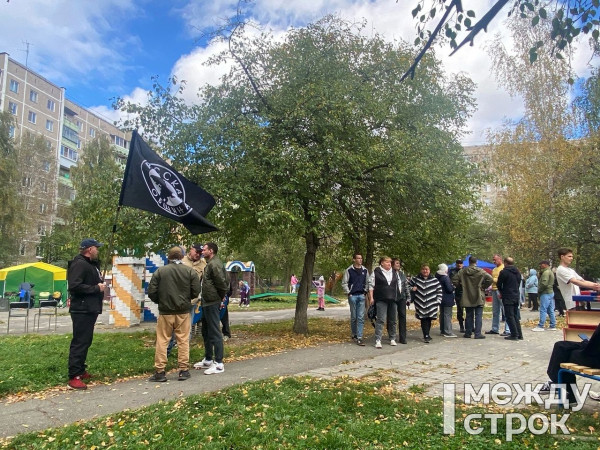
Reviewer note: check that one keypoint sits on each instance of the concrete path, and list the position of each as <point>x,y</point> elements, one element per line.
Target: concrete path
<point>444,360</point>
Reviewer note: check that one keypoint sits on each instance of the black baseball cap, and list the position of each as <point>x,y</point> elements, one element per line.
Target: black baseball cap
<point>198,247</point>
<point>89,242</point>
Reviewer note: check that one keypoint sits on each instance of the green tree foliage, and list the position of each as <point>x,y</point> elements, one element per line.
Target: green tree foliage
<point>568,20</point>
<point>313,136</point>
<point>11,215</point>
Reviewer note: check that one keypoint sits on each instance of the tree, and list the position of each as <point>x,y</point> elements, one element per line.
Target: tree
<point>550,197</point>
<point>11,218</point>
<point>568,20</point>
<point>314,137</point>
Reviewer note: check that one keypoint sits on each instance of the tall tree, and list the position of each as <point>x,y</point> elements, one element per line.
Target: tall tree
<point>536,157</point>
<point>314,136</point>
<point>11,216</point>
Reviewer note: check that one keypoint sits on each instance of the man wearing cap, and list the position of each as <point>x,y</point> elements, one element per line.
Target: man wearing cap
<point>194,259</point>
<point>86,288</point>
<point>546,293</point>
<point>173,287</point>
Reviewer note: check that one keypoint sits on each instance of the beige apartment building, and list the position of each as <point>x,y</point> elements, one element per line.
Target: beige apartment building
<point>481,155</point>
<point>40,107</point>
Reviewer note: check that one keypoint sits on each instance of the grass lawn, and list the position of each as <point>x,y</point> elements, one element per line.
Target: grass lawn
<point>33,363</point>
<point>298,413</point>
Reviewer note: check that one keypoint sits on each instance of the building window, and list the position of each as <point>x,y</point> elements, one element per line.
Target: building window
<point>22,249</point>
<point>26,182</point>
<point>33,96</point>
<point>14,86</point>
<point>51,105</point>
<point>46,166</point>
<point>44,186</point>
<point>69,153</point>
<point>42,208</point>
<point>78,123</point>
<point>11,131</point>
<point>12,107</point>
<point>49,125</point>
<point>72,195</point>
<point>48,144</point>
<point>42,230</point>
<point>32,117</point>
<point>38,250</point>
<point>92,132</point>
<point>119,141</point>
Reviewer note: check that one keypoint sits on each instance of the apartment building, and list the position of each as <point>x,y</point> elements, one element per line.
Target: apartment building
<point>41,108</point>
<point>481,156</point>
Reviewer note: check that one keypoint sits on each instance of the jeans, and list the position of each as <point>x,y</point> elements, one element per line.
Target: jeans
<point>497,309</point>
<point>547,307</point>
<point>446,320</point>
<point>386,313</point>
<point>474,320</point>
<point>357,314</point>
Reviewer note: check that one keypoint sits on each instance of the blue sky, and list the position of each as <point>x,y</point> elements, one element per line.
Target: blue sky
<point>103,49</point>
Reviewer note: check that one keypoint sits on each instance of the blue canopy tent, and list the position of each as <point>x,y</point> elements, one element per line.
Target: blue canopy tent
<point>480,263</point>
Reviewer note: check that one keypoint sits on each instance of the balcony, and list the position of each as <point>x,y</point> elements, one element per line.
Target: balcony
<point>120,150</point>
<point>72,125</point>
<point>65,181</point>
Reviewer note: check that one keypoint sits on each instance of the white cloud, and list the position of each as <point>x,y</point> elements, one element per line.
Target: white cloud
<point>67,39</point>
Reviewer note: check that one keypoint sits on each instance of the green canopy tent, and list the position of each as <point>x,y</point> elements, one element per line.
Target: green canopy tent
<point>46,277</point>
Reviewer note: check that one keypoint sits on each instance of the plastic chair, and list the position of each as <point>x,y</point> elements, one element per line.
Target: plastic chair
<point>18,309</point>
<point>46,308</point>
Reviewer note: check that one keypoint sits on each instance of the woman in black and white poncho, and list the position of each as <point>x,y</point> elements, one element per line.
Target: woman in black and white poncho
<point>427,298</point>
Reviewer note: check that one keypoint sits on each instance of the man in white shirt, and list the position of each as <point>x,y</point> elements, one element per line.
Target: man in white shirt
<point>569,281</point>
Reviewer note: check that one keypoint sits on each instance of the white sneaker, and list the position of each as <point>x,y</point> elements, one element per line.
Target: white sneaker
<point>393,343</point>
<point>215,368</point>
<point>537,329</point>
<point>552,329</point>
<point>377,344</point>
<point>204,364</point>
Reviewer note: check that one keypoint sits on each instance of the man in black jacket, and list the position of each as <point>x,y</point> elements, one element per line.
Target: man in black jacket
<point>86,288</point>
<point>508,284</point>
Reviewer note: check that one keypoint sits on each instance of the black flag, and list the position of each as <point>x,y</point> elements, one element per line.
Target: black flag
<point>153,185</point>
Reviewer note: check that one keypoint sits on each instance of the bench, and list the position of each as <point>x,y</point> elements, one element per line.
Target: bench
<point>577,370</point>
<point>580,322</point>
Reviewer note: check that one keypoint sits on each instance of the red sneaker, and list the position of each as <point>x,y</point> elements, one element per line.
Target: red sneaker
<point>76,383</point>
<point>85,376</point>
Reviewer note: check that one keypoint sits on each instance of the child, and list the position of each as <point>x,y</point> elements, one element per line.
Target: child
<point>321,293</point>
<point>244,294</point>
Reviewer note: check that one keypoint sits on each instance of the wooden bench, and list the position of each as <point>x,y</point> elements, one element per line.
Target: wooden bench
<point>577,370</point>
<point>580,322</point>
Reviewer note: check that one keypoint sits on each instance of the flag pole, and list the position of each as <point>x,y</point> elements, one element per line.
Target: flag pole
<point>111,241</point>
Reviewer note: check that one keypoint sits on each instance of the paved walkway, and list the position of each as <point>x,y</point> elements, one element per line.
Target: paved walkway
<point>429,365</point>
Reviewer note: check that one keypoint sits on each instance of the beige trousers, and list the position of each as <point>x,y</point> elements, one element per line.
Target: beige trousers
<point>166,325</point>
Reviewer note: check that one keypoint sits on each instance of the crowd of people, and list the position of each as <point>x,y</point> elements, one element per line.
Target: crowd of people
<point>199,277</point>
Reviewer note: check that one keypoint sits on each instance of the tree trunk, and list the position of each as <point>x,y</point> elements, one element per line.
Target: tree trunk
<point>301,317</point>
